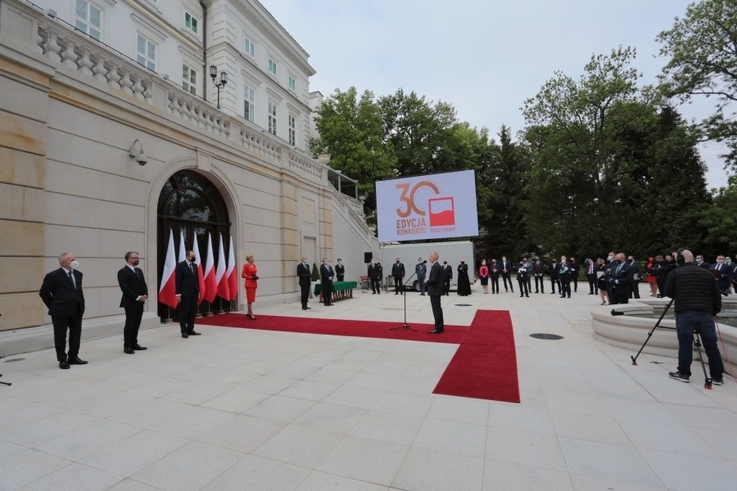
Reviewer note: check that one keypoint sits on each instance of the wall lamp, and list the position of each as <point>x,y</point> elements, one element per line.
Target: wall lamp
<point>139,155</point>
<point>218,83</point>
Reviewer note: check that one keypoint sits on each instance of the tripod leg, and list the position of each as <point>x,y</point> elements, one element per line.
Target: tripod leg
<point>649,334</point>
<point>5,383</point>
<point>697,344</point>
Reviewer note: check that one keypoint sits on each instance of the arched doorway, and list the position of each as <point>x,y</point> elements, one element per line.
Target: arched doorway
<point>192,205</point>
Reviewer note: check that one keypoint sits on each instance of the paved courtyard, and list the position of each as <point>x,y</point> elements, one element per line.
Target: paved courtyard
<point>239,409</point>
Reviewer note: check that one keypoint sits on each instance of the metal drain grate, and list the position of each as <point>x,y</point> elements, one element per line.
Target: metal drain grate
<point>541,335</point>
<point>463,305</point>
<point>14,359</point>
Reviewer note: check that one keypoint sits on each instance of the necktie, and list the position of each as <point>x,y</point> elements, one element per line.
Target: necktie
<point>71,277</point>
<point>191,267</point>
<point>618,268</point>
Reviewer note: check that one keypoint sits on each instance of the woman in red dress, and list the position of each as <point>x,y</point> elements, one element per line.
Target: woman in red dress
<point>249,273</point>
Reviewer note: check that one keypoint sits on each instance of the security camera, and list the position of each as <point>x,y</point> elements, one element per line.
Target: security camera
<point>141,158</point>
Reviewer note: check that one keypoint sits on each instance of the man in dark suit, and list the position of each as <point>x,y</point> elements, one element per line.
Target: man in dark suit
<point>326,280</point>
<point>723,275</point>
<point>506,268</point>
<point>590,268</point>
<point>435,291</point>
<point>135,294</point>
<point>398,274</point>
<point>447,276</point>
<point>622,276</point>
<point>305,280</point>
<point>187,282</point>
<point>61,291</point>
<point>339,270</point>
<point>374,274</point>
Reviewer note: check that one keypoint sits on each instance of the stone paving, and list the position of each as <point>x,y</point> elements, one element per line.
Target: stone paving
<point>240,409</point>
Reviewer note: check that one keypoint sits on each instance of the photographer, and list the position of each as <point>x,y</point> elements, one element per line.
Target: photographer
<point>697,300</point>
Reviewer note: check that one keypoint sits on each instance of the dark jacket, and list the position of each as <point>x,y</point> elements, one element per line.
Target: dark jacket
<point>435,280</point>
<point>187,283</point>
<point>60,295</point>
<point>305,276</point>
<point>132,285</point>
<point>398,270</point>
<point>693,288</point>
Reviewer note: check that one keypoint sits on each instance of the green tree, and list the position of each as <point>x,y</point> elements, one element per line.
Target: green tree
<point>351,131</point>
<point>702,48</point>
<point>720,222</point>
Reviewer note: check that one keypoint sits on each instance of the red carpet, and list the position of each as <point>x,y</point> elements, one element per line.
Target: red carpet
<point>484,367</point>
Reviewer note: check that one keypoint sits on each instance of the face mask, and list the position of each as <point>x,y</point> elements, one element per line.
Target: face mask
<point>720,261</point>
<point>74,264</point>
<point>698,260</point>
<point>325,262</point>
<point>397,261</point>
<point>445,262</point>
<point>136,262</point>
<point>610,258</point>
<point>192,259</point>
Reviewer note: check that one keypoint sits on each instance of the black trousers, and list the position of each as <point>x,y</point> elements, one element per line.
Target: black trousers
<point>304,294</point>
<point>327,292</point>
<point>133,316</point>
<point>592,282</point>
<point>553,282</point>
<point>61,323</point>
<point>437,312</point>
<point>506,277</point>
<point>541,281</point>
<point>187,312</point>
<point>375,288</point>
<point>565,286</point>
<point>523,290</point>
<point>494,283</point>
<point>398,284</point>
<point>446,286</point>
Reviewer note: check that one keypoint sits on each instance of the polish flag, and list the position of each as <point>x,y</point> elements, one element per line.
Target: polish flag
<point>168,288</point>
<point>220,277</point>
<point>200,276</point>
<point>231,273</point>
<point>182,251</point>
<point>211,285</point>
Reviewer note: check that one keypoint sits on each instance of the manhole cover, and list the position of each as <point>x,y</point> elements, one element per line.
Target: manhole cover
<point>541,335</point>
<point>14,359</point>
<point>463,305</point>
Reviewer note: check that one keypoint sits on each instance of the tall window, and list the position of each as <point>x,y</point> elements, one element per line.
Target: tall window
<point>292,83</point>
<point>146,53</point>
<point>191,22</point>
<point>249,47</point>
<point>292,130</point>
<point>272,117</point>
<point>88,19</point>
<point>189,79</point>
<point>249,103</point>
<point>272,66</point>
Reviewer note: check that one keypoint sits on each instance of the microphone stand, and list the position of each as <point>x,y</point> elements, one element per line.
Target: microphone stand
<point>404,294</point>
<point>5,383</point>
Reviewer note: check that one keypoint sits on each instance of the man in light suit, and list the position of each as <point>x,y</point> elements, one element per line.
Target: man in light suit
<point>326,280</point>
<point>435,291</point>
<point>135,294</point>
<point>305,279</point>
<point>187,282</point>
<point>61,291</point>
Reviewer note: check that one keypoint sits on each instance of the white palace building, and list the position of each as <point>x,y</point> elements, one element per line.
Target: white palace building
<point>113,133</point>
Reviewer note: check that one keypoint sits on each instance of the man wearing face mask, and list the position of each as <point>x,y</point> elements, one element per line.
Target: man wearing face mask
<point>636,277</point>
<point>506,268</point>
<point>722,274</point>
<point>421,272</point>
<point>326,280</point>
<point>305,279</point>
<point>398,274</point>
<point>621,280</point>
<point>447,276</point>
<point>374,273</point>
<point>135,294</point>
<point>339,270</point>
<point>61,291</point>
<point>464,283</point>
<point>701,263</point>
<point>188,292</point>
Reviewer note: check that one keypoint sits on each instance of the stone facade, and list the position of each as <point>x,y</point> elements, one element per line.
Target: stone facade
<point>70,109</point>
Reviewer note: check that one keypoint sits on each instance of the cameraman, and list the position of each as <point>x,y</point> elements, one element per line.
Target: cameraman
<point>697,300</point>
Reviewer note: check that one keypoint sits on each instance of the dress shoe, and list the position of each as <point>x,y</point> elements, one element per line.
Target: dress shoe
<point>436,331</point>
<point>328,305</point>
<point>129,351</point>
<point>193,333</point>
<point>184,335</point>
<point>138,347</point>
<point>64,365</point>
<point>76,361</point>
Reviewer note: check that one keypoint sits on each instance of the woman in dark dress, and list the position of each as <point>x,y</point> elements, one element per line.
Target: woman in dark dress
<point>464,285</point>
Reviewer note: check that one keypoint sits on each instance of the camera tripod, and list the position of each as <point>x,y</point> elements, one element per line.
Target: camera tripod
<point>696,342</point>
<point>4,383</point>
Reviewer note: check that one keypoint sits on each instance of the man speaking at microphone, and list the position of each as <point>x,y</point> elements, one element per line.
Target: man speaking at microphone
<point>697,300</point>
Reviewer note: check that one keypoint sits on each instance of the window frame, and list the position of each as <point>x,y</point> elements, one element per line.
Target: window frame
<point>292,125</point>
<point>252,102</point>
<point>292,83</point>
<point>87,21</point>
<point>246,43</point>
<point>145,56</point>
<point>194,20</point>
<point>192,85</point>
<point>272,117</point>
<point>275,65</point>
